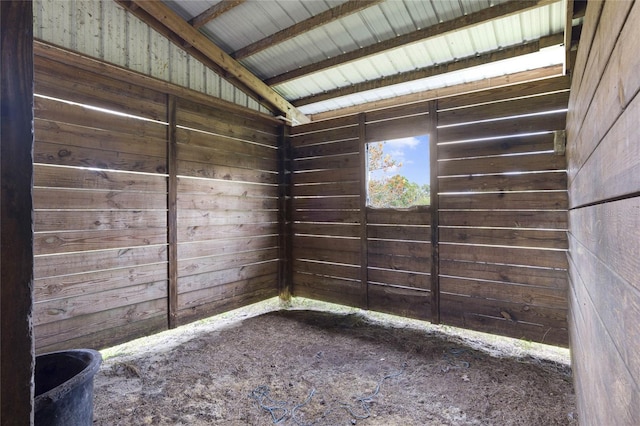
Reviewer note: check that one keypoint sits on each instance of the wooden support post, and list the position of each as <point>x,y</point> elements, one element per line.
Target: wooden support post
<point>16,216</point>
<point>172,211</point>
<point>435,214</point>
<point>285,268</point>
<point>364,254</point>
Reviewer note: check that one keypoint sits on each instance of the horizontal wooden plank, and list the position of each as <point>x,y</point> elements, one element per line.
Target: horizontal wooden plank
<point>75,263</point>
<point>212,141</point>
<point>201,265</point>
<point>78,284</point>
<point>64,308</point>
<point>326,149</point>
<point>416,125</point>
<point>396,262</point>
<point>408,303</point>
<point>64,155</point>
<point>188,217</point>
<point>543,258</point>
<point>350,272</point>
<point>520,330</point>
<point>81,178</point>
<point>539,277</point>
<point>223,125</point>
<point>417,108</point>
<point>328,162</point>
<point>326,203</point>
<point>554,180</point>
<point>211,157</point>
<point>506,237</point>
<point>236,174</point>
<point>615,163</point>
<point>54,198</point>
<point>325,136</point>
<point>66,82</point>
<point>213,280</point>
<point>214,202</point>
<point>333,290</point>
<point>326,255</point>
<point>327,176</point>
<point>71,135</point>
<point>531,88</point>
<point>335,216</point>
<point>544,200</point>
<point>221,188</point>
<point>190,233</point>
<point>48,109</point>
<point>502,164</point>
<point>399,278</point>
<point>326,190</point>
<point>513,312</point>
<point>226,296</point>
<point>503,127</point>
<point>546,219</point>
<point>417,215</point>
<point>399,232</point>
<point>498,292</point>
<point>103,329</point>
<point>313,242</point>
<point>95,220</point>
<point>322,125</point>
<point>225,245</point>
<point>189,108</point>
<point>507,108</point>
<point>418,249</point>
<point>611,231</point>
<point>492,147</point>
<point>64,242</point>
<point>329,229</point>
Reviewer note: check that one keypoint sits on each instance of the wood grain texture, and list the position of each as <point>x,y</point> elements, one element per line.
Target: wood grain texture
<point>16,233</point>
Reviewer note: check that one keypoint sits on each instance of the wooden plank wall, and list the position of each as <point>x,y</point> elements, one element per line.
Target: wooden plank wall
<point>503,211</point>
<point>100,210</point>
<point>603,153</point>
<point>227,210</point>
<point>131,236</point>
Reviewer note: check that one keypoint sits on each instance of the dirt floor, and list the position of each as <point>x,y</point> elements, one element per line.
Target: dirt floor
<point>304,367</point>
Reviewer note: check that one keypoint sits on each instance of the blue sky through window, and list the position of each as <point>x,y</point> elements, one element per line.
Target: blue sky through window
<point>413,153</point>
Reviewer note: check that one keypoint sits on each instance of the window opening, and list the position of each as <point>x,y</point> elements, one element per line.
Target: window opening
<point>398,173</point>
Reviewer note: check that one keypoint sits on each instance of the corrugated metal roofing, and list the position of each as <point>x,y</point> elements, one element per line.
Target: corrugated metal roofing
<point>254,20</point>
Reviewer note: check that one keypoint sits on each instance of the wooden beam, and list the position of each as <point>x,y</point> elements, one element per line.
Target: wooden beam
<point>16,212</point>
<point>439,69</point>
<point>568,31</point>
<point>213,12</point>
<point>181,28</point>
<point>364,243</point>
<point>345,9</point>
<point>500,11</point>
<point>474,86</point>
<point>435,212</point>
<point>172,212</point>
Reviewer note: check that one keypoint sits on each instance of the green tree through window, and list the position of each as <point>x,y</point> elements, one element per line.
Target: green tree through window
<point>387,184</point>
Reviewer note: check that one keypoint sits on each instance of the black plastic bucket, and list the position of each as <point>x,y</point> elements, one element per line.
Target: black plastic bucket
<point>64,387</point>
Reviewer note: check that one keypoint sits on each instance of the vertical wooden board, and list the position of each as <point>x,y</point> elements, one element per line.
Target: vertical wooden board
<point>16,211</point>
<point>57,15</point>
<point>88,28</point>
<point>138,44</point>
<point>114,33</point>
<point>159,52</point>
<point>614,165</point>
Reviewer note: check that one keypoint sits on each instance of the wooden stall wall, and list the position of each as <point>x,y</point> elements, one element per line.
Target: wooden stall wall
<point>100,198</point>
<point>499,253</point>
<point>227,210</point>
<point>151,210</point>
<point>604,191</point>
<point>503,211</point>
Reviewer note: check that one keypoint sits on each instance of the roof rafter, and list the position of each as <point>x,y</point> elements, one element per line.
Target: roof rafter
<point>473,86</point>
<point>471,61</point>
<point>345,9</point>
<point>182,29</point>
<point>499,11</point>
<point>213,12</point>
